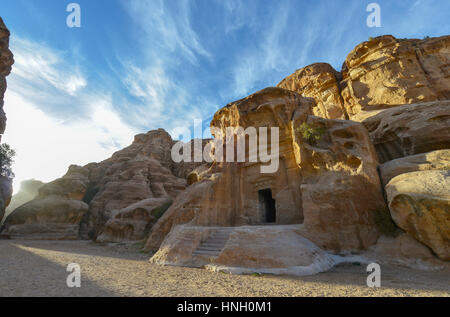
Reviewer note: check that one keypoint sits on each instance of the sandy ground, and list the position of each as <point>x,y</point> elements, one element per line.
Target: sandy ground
<point>38,268</point>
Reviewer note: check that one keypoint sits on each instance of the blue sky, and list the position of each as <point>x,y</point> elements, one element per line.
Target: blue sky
<point>76,95</point>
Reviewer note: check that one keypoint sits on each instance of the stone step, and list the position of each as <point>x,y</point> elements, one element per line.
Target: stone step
<point>203,248</point>
<point>206,253</point>
<point>215,243</point>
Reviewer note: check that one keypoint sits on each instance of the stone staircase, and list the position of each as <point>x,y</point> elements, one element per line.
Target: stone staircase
<point>215,243</point>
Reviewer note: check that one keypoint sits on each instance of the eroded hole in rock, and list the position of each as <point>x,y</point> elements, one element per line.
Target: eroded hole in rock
<point>267,206</point>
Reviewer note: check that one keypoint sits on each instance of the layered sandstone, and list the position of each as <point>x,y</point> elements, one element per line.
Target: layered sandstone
<point>410,129</point>
<point>378,74</point>
<point>117,199</point>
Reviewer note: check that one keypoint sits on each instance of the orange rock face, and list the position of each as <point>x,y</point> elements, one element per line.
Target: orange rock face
<point>332,186</point>
<point>321,82</point>
<point>387,72</point>
<point>378,74</point>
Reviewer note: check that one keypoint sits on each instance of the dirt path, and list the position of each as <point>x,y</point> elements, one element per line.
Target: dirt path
<point>38,268</point>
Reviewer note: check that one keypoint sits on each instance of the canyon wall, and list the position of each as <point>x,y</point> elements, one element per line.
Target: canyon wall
<point>6,62</point>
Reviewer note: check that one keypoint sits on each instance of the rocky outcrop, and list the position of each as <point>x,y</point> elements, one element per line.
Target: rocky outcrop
<point>341,191</point>
<point>29,190</point>
<point>6,62</point>
<point>386,72</point>
<point>55,213</point>
<point>135,221</point>
<point>420,205</point>
<point>410,129</point>
<point>378,74</point>
<point>321,82</point>
<point>117,199</point>
<point>51,217</point>
<point>141,171</point>
<point>332,186</point>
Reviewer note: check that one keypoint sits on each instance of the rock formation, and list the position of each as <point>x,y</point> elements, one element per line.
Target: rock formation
<point>6,62</point>
<point>114,200</point>
<point>29,190</point>
<point>420,205</point>
<point>332,187</point>
<point>321,82</point>
<point>381,73</point>
<point>327,132</point>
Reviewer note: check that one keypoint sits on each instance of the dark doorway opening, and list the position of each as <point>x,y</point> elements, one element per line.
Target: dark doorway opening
<point>267,206</point>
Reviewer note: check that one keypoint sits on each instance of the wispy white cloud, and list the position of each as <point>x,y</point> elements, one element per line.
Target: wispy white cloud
<point>36,61</point>
<point>46,142</point>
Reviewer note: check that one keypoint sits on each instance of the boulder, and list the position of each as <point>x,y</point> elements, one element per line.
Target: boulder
<point>29,190</point>
<point>420,204</point>
<point>51,217</point>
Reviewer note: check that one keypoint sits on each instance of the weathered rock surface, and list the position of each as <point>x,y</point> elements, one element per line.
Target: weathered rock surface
<point>404,249</point>
<point>6,61</point>
<point>135,221</point>
<point>420,204</point>
<point>410,129</point>
<point>55,213</point>
<point>378,74</point>
<point>247,249</point>
<point>29,190</point>
<point>340,190</point>
<point>333,187</point>
<point>125,194</point>
<point>321,82</point>
<point>141,171</point>
<point>386,72</point>
<point>50,217</point>
<point>436,160</point>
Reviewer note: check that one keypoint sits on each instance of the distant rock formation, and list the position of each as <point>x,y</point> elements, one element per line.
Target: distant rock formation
<point>6,62</point>
<point>29,190</point>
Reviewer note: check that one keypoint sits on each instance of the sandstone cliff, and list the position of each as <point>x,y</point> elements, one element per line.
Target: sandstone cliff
<point>378,74</point>
<point>6,61</point>
<point>114,200</point>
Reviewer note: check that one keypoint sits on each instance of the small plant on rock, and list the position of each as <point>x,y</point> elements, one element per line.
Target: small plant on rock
<point>311,133</point>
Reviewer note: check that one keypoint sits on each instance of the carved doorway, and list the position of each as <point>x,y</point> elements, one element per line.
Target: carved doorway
<point>267,206</point>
